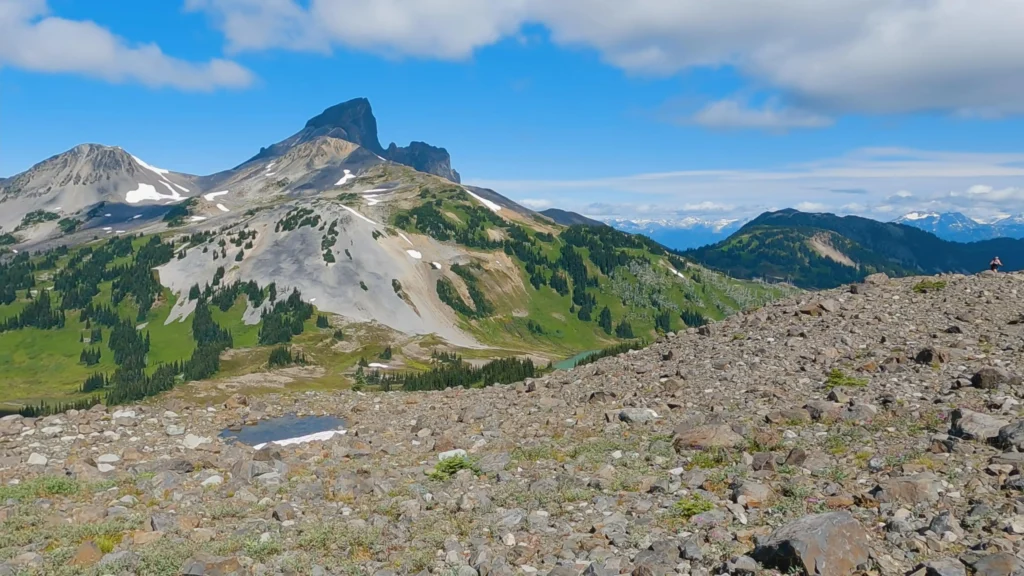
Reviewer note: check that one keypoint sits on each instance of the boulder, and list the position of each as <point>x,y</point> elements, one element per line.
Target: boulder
<point>831,544</point>
<point>992,378</point>
<point>973,425</point>
<point>1011,436</point>
<point>920,488</point>
<point>1001,564</point>
<point>705,437</point>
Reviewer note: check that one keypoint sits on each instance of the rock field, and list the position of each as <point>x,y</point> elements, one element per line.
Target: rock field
<point>875,429</point>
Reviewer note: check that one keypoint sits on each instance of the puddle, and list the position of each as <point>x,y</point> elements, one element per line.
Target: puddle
<point>288,429</point>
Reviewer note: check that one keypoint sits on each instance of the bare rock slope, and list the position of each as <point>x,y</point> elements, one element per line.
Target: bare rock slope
<point>876,429</point>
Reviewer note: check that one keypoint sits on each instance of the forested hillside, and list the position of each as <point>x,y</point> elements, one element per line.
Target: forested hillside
<point>823,250</point>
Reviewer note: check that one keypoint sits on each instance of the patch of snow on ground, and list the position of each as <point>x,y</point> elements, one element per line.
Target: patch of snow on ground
<point>119,232</point>
<point>415,254</point>
<point>315,437</point>
<point>436,265</point>
<point>406,238</point>
<point>271,173</point>
<point>372,200</point>
<point>209,197</point>
<point>137,216</point>
<point>159,171</point>
<point>494,207</point>
<point>196,218</point>
<point>359,215</point>
<point>377,365</point>
<point>311,300</point>
<point>169,187</point>
<point>147,192</point>
<point>108,215</point>
<point>348,176</point>
<point>180,187</point>
<point>371,191</point>
<point>223,208</point>
<point>269,166</point>
<point>107,229</point>
<point>15,250</point>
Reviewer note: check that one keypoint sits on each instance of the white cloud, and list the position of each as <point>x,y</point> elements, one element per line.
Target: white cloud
<point>536,203</point>
<point>707,206</point>
<point>883,177</point>
<point>31,39</point>
<point>735,114</point>
<point>824,58</point>
<point>811,207</point>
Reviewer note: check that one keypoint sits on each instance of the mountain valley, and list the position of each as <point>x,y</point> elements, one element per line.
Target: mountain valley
<point>323,244</point>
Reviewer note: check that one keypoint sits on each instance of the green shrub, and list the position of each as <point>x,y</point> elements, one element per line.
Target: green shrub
<point>448,467</point>
<point>925,286</point>
<point>837,378</point>
<point>690,506</point>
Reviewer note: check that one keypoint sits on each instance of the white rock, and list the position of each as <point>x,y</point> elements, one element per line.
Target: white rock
<point>213,481</point>
<point>37,459</point>
<point>174,430</point>
<point>457,453</point>
<point>104,467</point>
<point>192,441</point>
<point>108,458</point>
<point>123,414</point>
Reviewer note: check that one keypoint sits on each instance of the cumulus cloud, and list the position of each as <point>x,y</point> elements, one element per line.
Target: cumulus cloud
<point>32,39</point>
<point>822,58</point>
<point>973,183</point>
<point>811,207</point>
<point>536,203</point>
<point>735,114</point>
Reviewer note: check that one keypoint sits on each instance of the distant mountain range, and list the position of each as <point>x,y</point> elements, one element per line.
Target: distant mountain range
<point>825,250</point>
<point>678,234</point>
<point>957,227</point>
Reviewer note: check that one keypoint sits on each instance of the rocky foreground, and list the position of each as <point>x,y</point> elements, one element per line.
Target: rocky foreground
<point>876,429</point>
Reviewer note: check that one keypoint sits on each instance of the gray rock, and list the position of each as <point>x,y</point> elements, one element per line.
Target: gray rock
<point>1011,436</point>
<point>972,425</point>
<point>831,544</point>
<point>945,567</point>
<point>992,378</point>
<point>1000,564</point>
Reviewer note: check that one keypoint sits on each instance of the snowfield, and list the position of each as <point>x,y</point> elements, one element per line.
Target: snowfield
<point>223,208</point>
<point>359,215</point>
<point>212,195</point>
<point>346,178</point>
<point>315,437</point>
<point>148,192</point>
<point>494,207</point>
<point>159,171</point>
<point>415,254</point>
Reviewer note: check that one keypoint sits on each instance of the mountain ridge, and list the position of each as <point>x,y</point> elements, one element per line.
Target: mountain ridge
<point>957,227</point>
<point>778,245</point>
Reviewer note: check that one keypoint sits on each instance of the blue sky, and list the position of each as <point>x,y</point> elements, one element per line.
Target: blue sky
<point>653,108</point>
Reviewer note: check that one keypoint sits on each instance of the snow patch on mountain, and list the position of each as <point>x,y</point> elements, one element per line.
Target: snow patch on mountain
<point>148,192</point>
<point>494,207</point>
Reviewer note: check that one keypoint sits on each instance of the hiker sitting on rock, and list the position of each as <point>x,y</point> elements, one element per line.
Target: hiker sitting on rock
<point>995,264</point>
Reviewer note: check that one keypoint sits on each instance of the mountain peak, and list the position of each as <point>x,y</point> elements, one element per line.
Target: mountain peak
<point>352,120</point>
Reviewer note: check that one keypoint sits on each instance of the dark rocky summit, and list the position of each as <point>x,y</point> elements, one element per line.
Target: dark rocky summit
<point>354,121</point>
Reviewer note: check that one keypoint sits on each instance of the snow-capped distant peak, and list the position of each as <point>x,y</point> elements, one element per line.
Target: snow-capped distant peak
<point>918,216</point>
